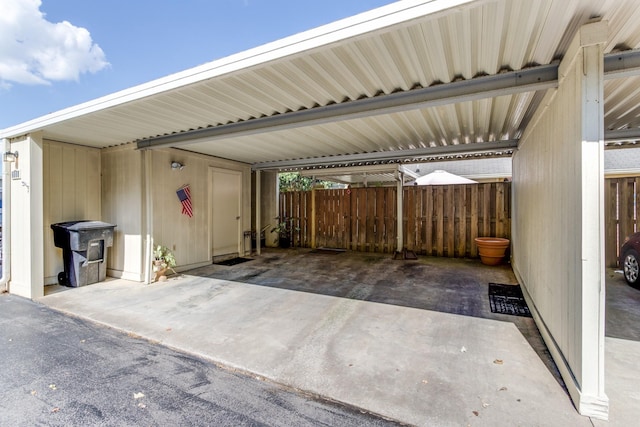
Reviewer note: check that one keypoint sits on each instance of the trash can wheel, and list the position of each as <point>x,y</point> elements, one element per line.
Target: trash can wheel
<point>62,279</point>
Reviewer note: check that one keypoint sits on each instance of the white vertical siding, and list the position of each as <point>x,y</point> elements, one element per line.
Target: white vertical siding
<point>71,184</point>
<point>27,219</point>
<point>122,204</point>
<point>189,238</point>
<point>557,180</point>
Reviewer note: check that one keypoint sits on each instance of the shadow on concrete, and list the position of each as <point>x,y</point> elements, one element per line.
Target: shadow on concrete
<point>454,286</point>
<point>622,317</point>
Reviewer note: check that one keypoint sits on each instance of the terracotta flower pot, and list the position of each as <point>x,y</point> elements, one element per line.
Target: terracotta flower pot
<point>491,249</point>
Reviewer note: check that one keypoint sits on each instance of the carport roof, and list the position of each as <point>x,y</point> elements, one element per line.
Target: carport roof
<point>411,80</point>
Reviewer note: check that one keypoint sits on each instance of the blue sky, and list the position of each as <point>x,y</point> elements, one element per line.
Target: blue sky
<point>59,53</point>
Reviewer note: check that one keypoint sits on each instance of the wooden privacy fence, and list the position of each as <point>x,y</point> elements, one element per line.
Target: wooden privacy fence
<point>437,220</point>
<point>621,214</point>
<point>443,220</point>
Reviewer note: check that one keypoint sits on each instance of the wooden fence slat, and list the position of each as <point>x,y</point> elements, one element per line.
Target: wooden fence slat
<point>439,213</point>
<point>428,197</point>
<point>340,219</point>
<point>473,250</point>
<point>362,220</point>
<point>461,219</point>
<point>420,245</point>
<point>500,200</point>
<point>611,222</point>
<point>331,220</point>
<point>626,206</point>
<point>486,211</point>
<point>450,208</point>
<point>355,219</point>
<point>392,211</point>
<point>409,221</point>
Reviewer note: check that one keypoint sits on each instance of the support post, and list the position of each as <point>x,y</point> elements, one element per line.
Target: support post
<point>258,211</point>
<point>558,203</point>
<point>148,209</point>
<point>313,217</point>
<point>399,214</point>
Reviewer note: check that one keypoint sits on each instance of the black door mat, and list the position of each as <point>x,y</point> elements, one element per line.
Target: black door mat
<point>330,251</point>
<point>507,299</point>
<point>233,261</point>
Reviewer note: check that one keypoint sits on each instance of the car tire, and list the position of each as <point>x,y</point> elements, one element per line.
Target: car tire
<point>631,267</point>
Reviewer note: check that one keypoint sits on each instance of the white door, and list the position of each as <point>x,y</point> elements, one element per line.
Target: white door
<point>226,212</point>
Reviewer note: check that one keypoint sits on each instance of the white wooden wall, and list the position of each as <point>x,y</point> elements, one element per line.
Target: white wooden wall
<point>122,205</point>
<point>189,238</point>
<point>71,184</point>
<point>27,218</point>
<point>557,211</point>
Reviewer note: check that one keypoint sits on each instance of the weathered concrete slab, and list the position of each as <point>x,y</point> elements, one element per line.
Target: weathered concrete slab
<point>416,366</point>
<point>622,382</point>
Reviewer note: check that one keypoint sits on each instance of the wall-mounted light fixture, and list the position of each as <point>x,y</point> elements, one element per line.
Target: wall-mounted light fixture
<point>177,166</point>
<point>10,157</point>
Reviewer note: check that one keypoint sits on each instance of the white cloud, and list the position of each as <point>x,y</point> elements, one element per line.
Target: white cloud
<point>36,51</point>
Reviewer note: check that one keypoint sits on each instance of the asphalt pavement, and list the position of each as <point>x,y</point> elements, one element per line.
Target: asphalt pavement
<point>58,370</point>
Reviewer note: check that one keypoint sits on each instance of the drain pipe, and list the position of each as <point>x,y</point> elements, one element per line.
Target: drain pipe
<point>6,220</point>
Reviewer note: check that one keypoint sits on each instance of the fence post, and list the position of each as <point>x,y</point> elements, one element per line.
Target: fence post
<point>400,213</point>
<point>313,218</point>
<point>258,177</point>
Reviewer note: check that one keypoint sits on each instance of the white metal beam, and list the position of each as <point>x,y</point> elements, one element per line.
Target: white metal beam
<point>617,65</point>
<point>622,134</point>
<point>416,155</point>
<point>622,64</point>
<point>531,79</point>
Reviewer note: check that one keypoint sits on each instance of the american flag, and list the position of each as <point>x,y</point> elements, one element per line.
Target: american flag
<point>184,194</point>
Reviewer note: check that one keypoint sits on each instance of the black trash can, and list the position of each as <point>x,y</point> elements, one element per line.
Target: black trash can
<point>84,250</point>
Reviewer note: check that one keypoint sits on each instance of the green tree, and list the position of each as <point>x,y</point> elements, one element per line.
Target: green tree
<point>293,181</point>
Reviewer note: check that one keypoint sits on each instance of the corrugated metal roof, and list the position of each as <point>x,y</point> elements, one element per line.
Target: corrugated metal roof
<point>624,161</point>
<point>399,47</point>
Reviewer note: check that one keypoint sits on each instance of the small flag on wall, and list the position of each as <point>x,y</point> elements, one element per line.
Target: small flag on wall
<point>184,194</point>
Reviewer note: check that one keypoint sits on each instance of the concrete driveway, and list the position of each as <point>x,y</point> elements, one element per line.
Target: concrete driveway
<point>413,341</point>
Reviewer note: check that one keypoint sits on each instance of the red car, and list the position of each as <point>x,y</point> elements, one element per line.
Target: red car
<point>629,259</point>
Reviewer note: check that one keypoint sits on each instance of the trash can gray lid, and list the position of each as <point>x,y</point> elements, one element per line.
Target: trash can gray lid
<point>88,225</point>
